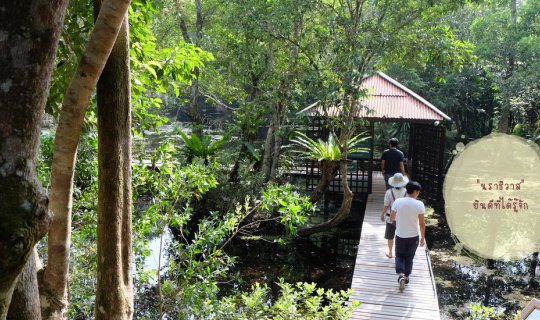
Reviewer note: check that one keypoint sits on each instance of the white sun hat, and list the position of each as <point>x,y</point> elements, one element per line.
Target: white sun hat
<point>398,180</point>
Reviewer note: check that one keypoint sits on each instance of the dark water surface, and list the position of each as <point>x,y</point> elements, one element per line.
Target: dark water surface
<point>463,278</point>
<point>326,258</point>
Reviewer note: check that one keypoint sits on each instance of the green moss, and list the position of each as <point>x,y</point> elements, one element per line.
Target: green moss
<point>20,213</point>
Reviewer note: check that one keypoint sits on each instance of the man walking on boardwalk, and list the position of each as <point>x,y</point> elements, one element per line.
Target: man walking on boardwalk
<point>392,161</point>
<point>408,214</point>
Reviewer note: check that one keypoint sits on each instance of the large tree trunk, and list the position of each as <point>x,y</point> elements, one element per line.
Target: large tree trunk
<point>114,294</point>
<point>29,33</point>
<point>55,277</point>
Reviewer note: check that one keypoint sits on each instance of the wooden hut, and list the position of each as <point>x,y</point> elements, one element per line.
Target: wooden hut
<point>387,101</point>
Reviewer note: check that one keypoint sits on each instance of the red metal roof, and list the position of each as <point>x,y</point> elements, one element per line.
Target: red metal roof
<point>387,100</point>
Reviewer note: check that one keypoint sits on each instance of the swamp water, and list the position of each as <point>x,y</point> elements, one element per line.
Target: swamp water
<point>463,278</point>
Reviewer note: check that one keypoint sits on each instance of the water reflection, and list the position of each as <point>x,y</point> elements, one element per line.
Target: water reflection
<point>463,278</point>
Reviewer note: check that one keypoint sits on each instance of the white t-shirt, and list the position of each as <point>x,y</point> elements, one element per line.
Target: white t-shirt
<point>407,211</point>
<point>389,200</point>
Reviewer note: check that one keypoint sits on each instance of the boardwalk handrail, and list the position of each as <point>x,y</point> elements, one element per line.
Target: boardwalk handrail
<point>434,286</point>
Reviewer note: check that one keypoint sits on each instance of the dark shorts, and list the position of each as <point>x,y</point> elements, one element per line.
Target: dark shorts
<point>390,231</point>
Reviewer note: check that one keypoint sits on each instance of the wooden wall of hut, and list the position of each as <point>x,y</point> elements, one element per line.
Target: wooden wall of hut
<point>427,149</point>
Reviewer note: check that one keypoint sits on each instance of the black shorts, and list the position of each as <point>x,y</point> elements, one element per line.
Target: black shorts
<point>390,231</point>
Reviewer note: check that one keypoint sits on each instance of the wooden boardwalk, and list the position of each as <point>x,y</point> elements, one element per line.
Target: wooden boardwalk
<point>375,280</point>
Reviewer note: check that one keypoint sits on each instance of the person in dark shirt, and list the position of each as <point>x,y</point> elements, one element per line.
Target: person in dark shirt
<point>392,161</point>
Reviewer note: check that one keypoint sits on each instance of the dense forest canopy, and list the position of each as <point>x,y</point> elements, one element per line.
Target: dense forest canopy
<point>208,183</point>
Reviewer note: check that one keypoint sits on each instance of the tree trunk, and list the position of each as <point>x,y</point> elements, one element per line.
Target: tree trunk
<point>25,301</point>
<point>343,211</point>
<point>268,150</point>
<point>279,116</point>
<point>55,277</point>
<point>29,36</point>
<point>328,172</point>
<point>505,108</point>
<point>114,294</point>
<point>193,108</point>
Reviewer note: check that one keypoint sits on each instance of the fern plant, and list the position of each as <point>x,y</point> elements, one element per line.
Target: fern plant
<point>205,147</point>
<point>327,150</point>
<point>328,154</point>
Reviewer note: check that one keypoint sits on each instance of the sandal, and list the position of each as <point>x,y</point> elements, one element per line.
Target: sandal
<point>389,256</point>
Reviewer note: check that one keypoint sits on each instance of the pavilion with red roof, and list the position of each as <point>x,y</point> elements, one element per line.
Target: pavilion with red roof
<point>387,100</point>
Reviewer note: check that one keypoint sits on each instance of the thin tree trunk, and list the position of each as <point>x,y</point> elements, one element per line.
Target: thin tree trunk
<point>343,211</point>
<point>182,22</point>
<point>193,108</point>
<point>278,120</point>
<point>25,302</point>
<point>505,111</point>
<point>285,94</point>
<point>114,293</point>
<point>268,150</point>
<point>55,277</point>
<point>198,8</point>
<point>28,41</point>
<point>328,173</point>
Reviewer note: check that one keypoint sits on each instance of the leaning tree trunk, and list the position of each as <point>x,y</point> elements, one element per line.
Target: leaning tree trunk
<point>55,278</point>
<point>328,173</point>
<point>29,33</point>
<point>114,294</point>
<point>344,210</point>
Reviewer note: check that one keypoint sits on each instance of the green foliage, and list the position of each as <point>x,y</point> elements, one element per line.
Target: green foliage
<point>293,208</point>
<point>300,301</point>
<point>156,72</point>
<point>481,312</point>
<point>77,26</point>
<point>328,150</point>
<point>195,268</point>
<point>169,188</point>
<point>509,53</point>
<point>201,147</point>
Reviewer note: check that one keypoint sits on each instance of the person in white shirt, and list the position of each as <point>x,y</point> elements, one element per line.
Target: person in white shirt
<point>408,214</point>
<point>398,182</point>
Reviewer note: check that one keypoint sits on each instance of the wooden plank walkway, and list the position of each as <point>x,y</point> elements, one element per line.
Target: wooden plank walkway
<point>375,280</point>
